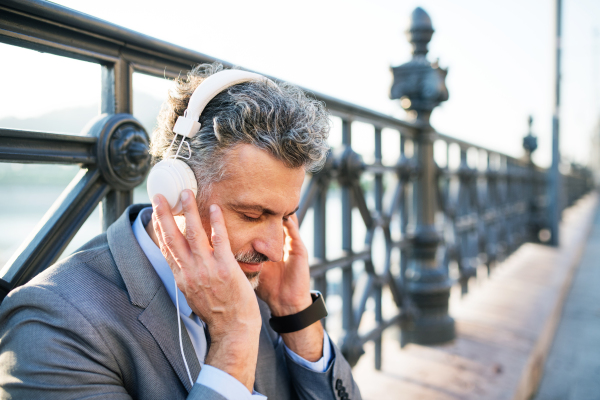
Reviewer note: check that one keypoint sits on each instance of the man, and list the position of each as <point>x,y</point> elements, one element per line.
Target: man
<point>104,323</point>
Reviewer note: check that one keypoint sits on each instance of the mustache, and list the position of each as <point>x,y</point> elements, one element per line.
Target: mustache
<point>251,257</point>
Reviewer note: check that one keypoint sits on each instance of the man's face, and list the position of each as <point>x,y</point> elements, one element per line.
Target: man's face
<point>258,195</point>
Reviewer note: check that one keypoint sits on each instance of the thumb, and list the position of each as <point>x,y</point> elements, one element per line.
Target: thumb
<point>219,237</point>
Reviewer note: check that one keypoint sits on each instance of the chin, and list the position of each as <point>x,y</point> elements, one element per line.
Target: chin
<point>253,278</point>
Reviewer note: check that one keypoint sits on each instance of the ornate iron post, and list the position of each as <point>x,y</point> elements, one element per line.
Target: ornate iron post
<point>536,221</point>
<point>530,142</point>
<point>420,87</point>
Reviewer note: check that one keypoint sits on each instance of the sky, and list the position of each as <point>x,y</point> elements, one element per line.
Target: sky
<point>499,57</point>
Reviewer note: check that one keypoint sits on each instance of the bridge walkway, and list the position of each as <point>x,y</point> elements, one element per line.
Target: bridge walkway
<point>572,370</point>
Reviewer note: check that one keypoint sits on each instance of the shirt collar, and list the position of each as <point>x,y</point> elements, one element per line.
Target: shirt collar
<point>157,260</point>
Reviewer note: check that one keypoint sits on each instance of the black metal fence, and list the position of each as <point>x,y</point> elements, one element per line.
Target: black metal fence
<point>433,220</point>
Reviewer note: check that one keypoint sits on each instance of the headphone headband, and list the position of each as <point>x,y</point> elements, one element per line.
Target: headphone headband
<point>188,125</point>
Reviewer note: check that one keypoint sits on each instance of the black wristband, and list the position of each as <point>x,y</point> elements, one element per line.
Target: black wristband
<point>302,319</point>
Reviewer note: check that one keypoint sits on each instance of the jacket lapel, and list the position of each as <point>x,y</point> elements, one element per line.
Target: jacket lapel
<point>266,371</point>
<point>271,376</point>
<point>147,291</point>
<point>160,318</point>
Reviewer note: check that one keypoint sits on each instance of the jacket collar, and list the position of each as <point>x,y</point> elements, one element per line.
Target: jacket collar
<point>139,276</point>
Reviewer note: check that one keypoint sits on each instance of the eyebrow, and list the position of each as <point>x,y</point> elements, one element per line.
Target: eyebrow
<point>257,208</point>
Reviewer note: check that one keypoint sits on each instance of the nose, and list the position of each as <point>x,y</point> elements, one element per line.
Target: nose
<point>270,241</point>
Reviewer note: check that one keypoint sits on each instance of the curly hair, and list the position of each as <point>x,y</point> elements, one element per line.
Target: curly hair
<point>279,119</point>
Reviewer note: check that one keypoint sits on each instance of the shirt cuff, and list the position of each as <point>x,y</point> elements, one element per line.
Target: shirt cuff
<point>320,365</point>
<point>225,384</point>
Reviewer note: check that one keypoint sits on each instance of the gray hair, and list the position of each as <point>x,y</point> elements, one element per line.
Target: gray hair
<point>279,119</point>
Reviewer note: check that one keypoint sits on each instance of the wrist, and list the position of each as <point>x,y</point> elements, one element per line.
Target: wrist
<point>290,307</point>
<point>236,355</point>
<point>306,343</point>
<point>302,319</point>
<point>230,332</point>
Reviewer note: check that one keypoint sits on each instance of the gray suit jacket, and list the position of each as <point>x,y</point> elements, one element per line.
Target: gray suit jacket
<point>100,324</point>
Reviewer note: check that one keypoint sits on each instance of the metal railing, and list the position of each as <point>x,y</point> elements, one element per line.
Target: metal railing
<point>471,216</point>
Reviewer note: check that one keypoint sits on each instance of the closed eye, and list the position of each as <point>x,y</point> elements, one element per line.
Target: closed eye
<point>249,218</point>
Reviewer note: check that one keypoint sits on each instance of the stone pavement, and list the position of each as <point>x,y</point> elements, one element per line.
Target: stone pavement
<point>505,327</point>
<point>572,370</point>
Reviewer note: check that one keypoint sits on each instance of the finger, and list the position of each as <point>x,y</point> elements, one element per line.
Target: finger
<point>219,237</point>
<point>163,248</point>
<point>194,232</point>
<point>170,236</point>
<point>291,227</point>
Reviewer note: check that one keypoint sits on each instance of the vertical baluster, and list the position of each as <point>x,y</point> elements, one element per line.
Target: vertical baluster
<point>519,194</point>
<point>510,204</point>
<point>320,235</point>
<point>347,275</point>
<point>490,248</point>
<point>464,264</point>
<point>501,207</point>
<point>115,98</point>
<point>506,206</point>
<point>403,212</point>
<point>379,208</point>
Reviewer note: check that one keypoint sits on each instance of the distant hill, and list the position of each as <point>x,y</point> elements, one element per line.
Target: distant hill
<point>73,120</point>
<point>69,121</point>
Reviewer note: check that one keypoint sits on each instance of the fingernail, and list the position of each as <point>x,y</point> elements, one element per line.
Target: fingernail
<point>213,208</point>
<point>155,200</point>
<point>184,195</point>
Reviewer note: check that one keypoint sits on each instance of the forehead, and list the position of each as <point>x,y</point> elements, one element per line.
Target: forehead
<point>256,177</point>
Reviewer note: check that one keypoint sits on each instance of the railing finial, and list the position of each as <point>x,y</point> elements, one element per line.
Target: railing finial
<point>420,31</point>
<point>418,84</point>
<point>530,141</point>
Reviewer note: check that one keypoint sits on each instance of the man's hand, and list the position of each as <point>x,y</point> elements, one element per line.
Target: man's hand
<point>213,284</point>
<point>285,287</point>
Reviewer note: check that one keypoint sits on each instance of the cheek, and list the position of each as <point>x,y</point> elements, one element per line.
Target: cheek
<point>241,235</point>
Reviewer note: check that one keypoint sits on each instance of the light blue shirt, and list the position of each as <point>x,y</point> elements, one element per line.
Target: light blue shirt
<point>214,378</point>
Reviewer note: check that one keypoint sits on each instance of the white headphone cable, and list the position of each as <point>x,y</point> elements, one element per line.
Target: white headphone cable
<point>180,341</point>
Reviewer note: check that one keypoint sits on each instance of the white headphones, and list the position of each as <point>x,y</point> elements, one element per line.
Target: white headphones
<point>171,176</point>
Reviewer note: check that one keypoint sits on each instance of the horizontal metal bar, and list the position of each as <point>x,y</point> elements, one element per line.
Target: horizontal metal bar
<point>352,112</point>
<point>107,31</point>
<point>34,43</point>
<point>40,34</point>
<point>319,268</point>
<point>466,145</point>
<point>382,169</point>
<point>42,147</point>
<point>490,174</point>
<point>401,244</point>
<point>56,229</point>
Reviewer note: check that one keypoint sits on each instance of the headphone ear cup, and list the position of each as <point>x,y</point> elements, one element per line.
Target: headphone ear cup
<point>170,178</point>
